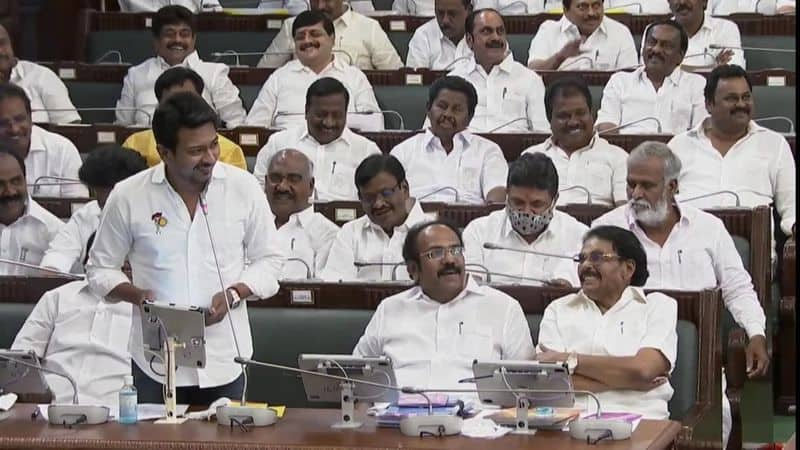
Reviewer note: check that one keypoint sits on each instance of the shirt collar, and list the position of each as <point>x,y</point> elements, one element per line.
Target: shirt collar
<point>304,216</point>
<point>699,130</point>
<point>415,215</point>
<point>35,212</point>
<point>674,77</point>
<point>336,63</point>
<point>550,144</point>
<point>159,174</point>
<point>191,61</point>
<point>37,140</point>
<point>346,136</point>
<point>687,216</point>
<point>430,139</point>
<point>567,25</point>
<point>471,287</point>
<point>631,293</point>
<point>505,65</point>
<point>17,73</point>
<point>347,16</point>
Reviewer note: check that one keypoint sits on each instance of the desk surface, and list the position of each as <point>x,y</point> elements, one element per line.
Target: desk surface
<point>299,429</point>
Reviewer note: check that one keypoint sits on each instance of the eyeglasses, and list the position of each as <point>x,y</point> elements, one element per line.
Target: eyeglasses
<point>594,257</point>
<point>439,252</point>
<point>370,199</point>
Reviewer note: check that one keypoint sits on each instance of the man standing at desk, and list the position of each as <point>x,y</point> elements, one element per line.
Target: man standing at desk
<point>162,219</point>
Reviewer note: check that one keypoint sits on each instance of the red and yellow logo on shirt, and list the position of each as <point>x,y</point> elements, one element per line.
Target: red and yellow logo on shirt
<point>160,221</point>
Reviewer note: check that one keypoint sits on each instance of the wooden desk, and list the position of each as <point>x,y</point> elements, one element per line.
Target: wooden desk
<point>299,429</point>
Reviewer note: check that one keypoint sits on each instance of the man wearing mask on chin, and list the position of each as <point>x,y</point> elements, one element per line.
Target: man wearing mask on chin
<point>529,222</point>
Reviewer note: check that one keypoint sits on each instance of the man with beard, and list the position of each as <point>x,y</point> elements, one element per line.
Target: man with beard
<point>25,227</point>
<point>370,248</point>
<point>661,89</point>
<point>174,36</point>
<point>333,149</point>
<point>435,330</point>
<point>439,44</point>
<point>302,233</point>
<point>705,31</point>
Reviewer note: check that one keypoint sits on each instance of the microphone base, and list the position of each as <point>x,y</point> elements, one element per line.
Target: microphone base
<point>4,415</point>
<point>171,421</point>
<point>346,425</point>
<point>257,417</point>
<point>584,429</point>
<point>75,414</point>
<point>420,426</point>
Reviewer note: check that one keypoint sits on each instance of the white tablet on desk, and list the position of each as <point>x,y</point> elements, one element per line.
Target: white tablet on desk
<point>186,324</point>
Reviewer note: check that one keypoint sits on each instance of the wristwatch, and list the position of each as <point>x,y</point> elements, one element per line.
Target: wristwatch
<point>235,299</point>
<point>572,362</point>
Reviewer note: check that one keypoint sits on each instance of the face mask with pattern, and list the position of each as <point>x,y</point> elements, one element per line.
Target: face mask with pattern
<point>526,223</point>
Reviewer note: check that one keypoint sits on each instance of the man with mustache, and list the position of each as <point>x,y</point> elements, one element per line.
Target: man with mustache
<point>162,220</point>
<point>334,150</point>
<point>447,162</point>
<point>435,330</point>
<point>582,158</point>
<point>302,233</point>
<point>661,89</point>
<point>510,96</point>
<point>617,341</point>
<point>704,31</point>
<point>174,36</point>
<point>439,44</point>
<point>584,39</point>
<point>25,227</point>
<point>369,248</point>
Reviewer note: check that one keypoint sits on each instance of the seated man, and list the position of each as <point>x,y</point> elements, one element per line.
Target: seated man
<point>51,160</point>
<point>332,148</point>
<point>196,6</point>
<point>705,31</point>
<point>361,41</point>
<point>530,222</point>
<point>174,35</point>
<point>447,162</point>
<point>589,168</point>
<point>435,330</point>
<point>370,248</point>
<point>510,96</point>
<point>584,39</point>
<point>439,44</point>
<point>304,236</point>
<point>47,92</point>
<point>173,80</point>
<point>25,227</point>
<point>103,168</point>
<point>279,102</point>
<point>618,342</point>
<point>661,89</point>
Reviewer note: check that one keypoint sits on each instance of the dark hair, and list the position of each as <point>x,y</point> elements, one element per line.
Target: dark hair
<point>182,110</point>
<point>712,80</point>
<point>89,243</point>
<point>109,164</point>
<point>457,84</point>
<point>7,148</point>
<point>372,165</point>
<point>176,76</point>
<point>313,17</point>
<point>324,87</point>
<point>534,170</point>
<point>567,4</point>
<point>566,86</point>
<point>11,90</point>
<point>469,24</point>
<point>627,246</point>
<point>670,23</point>
<point>173,15</point>
<point>411,246</point>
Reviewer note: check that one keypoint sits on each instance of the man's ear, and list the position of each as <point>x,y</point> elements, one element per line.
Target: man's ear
<point>162,151</point>
<point>413,270</point>
<point>673,187</point>
<point>311,184</point>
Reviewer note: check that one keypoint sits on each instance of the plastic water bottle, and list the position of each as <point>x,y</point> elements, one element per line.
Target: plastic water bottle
<point>128,399</point>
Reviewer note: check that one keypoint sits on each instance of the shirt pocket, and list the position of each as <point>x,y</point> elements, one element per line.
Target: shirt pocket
<point>753,174</point>
<point>513,107</point>
<point>598,180</point>
<point>341,181</point>
<point>624,337</point>
<point>680,115</point>
<point>475,342</point>
<point>469,179</point>
<point>696,269</point>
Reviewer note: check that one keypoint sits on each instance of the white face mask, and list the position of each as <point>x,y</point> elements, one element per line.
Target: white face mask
<point>526,223</point>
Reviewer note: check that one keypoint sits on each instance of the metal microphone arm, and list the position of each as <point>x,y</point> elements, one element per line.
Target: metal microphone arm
<point>528,121</point>
<point>754,49</point>
<point>109,53</point>
<point>580,188</point>
<point>443,188</point>
<point>507,275</point>
<point>69,378</point>
<point>453,62</point>
<point>634,122</point>
<point>481,266</point>
<point>781,118</point>
<point>383,111</point>
<point>349,57</point>
<point>71,276</point>
<point>493,246</point>
<point>149,116</point>
<point>381,264</point>
<point>630,4</point>
<point>301,261</point>
<point>516,2</point>
<point>711,194</point>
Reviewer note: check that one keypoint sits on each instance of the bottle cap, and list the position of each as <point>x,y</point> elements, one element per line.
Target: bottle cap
<point>128,379</point>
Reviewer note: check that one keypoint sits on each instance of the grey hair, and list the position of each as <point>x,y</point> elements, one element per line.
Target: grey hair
<point>655,149</point>
<point>291,151</point>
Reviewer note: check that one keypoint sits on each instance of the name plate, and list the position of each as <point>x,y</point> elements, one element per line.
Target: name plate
<point>302,297</point>
<point>344,214</point>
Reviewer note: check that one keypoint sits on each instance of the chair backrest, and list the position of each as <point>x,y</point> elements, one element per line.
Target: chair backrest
<point>209,42</point>
<point>249,94</point>
<point>758,60</point>
<point>135,46</point>
<point>12,316</point>
<point>409,101</point>
<point>400,40</point>
<point>94,95</point>
<point>772,101</point>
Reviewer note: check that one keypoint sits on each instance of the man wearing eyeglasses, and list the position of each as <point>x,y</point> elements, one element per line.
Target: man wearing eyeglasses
<point>433,331</point>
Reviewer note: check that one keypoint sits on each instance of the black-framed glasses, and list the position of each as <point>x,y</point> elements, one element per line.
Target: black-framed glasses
<point>439,252</point>
<point>369,199</point>
<point>595,257</point>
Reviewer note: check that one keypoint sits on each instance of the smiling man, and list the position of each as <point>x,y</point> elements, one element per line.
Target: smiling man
<point>705,31</point>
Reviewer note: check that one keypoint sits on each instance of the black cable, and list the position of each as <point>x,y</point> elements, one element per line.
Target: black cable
<point>152,358</point>
<point>605,435</point>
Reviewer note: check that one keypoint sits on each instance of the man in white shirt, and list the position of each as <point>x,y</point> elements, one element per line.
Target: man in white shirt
<point>305,236</point>
<point>174,36</point>
<point>424,8</point>
<point>589,168</point>
<point>439,44</point>
<point>279,102</point>
<point>704,32</point>
<point>333,149</point>
<point>162,220</point>
<point>767,7</point>
<point>584,39</point>
<point>195,6</point>
<point>447,162</point>
<point>51,160</point>
<point>360,40</point>
<point>539,242</point>
<point>43,86</point>
<point>435,330</point>
<point>518,7</point>
<point>370,248</point>
<point>103,168</point>
<point>662,91</point>
<point>510,96</point>
<point>618,342</point>
<point>25,227</point>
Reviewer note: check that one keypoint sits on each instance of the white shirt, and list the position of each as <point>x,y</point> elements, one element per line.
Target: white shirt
<point>563,236</point>
<point>68,248</point>
<point>474,167</point>
<point>45,91</point>
<point>138,91</point>
<point>414,8</point>
<point>26,239</point>
<point>718,32</point>
<point>516,7</point>
<point>362,241</point>
<point>574,323</point>
<point>610,47</point>
<point>726,7</point>
<point>698,254</point>
<point>281,102</point>
<point>308,236</point>
<point>195,6</point>
<point>79,333</point>
<point>175,260</point>
<point>509,91</point>
<point>678,104</point>
<point>53,155</point>
<point>647,6</point>
<point>334,163</point>
<point>429,48</point>
<point>294,7</point>
<point>600,167</point>
<point>360,41</point>
<point>432,344</point>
